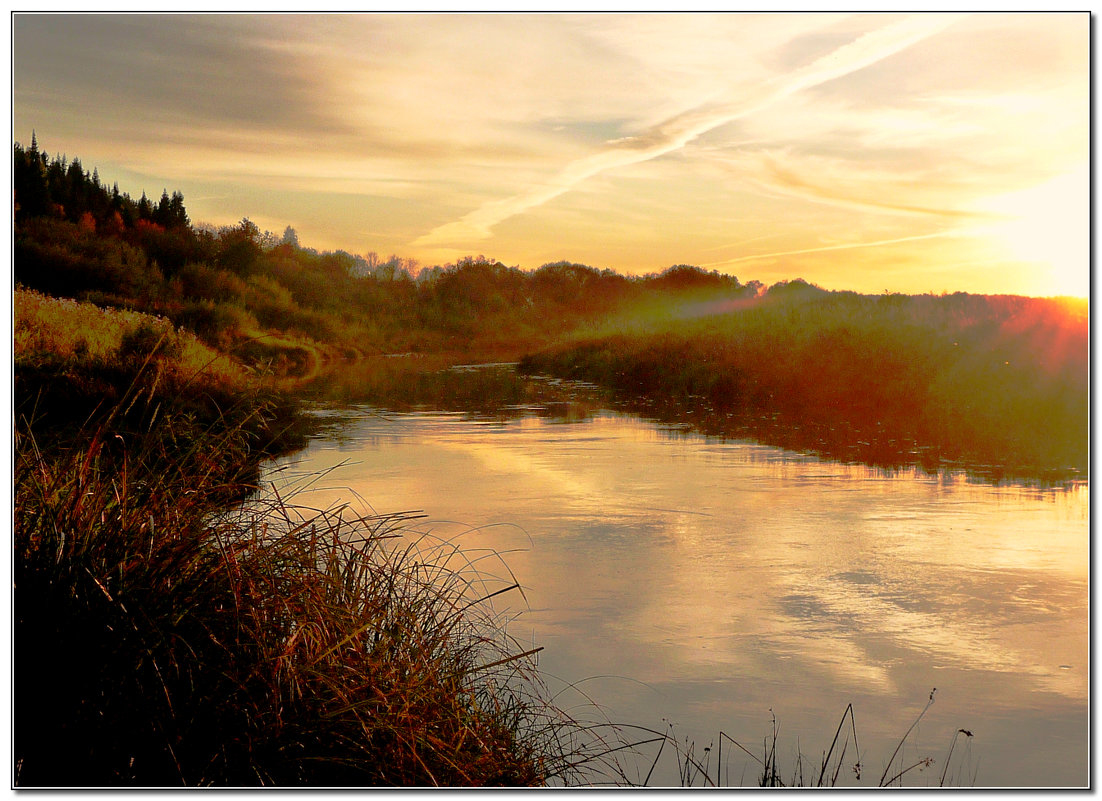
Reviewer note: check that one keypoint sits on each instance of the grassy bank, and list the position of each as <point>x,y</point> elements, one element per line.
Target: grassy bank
<point>944,380</point>
<point>160,640</point>
<point>157,646</point>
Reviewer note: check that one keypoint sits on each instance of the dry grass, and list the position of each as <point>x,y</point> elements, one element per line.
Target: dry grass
<point>82,334</point>
<point>156,645</point>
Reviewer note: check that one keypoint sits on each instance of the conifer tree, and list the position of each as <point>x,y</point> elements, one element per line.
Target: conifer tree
<point>75,199</point>
<point>145,208</point>
<point>177,214</point>
<point>32,195</point>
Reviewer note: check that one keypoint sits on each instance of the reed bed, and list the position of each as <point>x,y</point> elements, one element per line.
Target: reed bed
<point>990,383</point>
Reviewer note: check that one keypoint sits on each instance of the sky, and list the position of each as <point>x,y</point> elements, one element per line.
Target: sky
<point>863,151</point>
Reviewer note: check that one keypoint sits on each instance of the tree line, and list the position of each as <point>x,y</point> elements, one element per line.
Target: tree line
<point>237,286</point>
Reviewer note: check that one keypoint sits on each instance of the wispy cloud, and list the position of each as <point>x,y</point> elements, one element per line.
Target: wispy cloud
<point>678,131</point>
<point>828,248</point>
<point>774,177</point>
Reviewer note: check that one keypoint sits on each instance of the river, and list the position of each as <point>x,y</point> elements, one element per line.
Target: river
<point>698,585</point>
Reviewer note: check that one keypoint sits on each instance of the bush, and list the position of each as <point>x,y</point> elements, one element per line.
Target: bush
<point>62,258</point>
<point>149,341</point>
<point>202,282</point>
<point>220,325</point>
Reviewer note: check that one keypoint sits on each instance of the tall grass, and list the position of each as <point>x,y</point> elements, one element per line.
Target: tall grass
<point>158,644</point>
<point>83,335</point>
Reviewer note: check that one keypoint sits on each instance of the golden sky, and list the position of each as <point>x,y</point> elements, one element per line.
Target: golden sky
<point>902,152</point>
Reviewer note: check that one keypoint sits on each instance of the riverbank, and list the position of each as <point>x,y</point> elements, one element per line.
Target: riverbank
<point>161,640</point>
<point>993,385</point>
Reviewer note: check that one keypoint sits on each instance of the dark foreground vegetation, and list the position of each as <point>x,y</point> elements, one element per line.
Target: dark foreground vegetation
<point>157,645</point>
<point>167,634</point>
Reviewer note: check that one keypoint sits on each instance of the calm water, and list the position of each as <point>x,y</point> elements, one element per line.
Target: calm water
<point>711,584</point>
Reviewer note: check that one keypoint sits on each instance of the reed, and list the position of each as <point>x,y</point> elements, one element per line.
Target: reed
<point>695,769</point>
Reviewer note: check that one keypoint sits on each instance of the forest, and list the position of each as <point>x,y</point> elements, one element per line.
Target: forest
<point>157,361</point>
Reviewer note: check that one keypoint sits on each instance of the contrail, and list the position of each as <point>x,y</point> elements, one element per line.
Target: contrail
<point>786,182</point>
<point>674,133</point>
<point>846,246</point>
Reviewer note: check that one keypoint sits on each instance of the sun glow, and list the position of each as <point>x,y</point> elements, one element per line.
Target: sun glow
<point>1047,225</point>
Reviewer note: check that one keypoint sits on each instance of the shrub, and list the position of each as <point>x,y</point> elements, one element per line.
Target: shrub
<point>63,258</point>
<point>147,341</point>
<point>220,325</point>
<point>201,281</point>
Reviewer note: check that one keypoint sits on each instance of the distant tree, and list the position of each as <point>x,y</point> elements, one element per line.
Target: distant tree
<point>796,288</point>
<point>239,247</point>
<point>338,263</point>
<point>248,229</point>
<point>123,206</point>
<point>177,214</point>
<point>32,194</point>
<point>57,184</point>
<point>687,276</point>
<point>75,195</point>
<point>170,212</point>
<point>268,240</point>
<point>290,237</point>
<point>429,275</point>
<point>755,287</point>
<point>389,270</point>
<point>161,212</point>
<point>410,268</point>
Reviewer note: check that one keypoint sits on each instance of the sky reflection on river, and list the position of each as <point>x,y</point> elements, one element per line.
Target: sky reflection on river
<point>707,582</point>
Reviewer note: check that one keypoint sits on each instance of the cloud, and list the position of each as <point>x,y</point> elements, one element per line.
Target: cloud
<point>676,132</point>
<point>157,72</point>
<point>776,178</point>
<point>670,135</point>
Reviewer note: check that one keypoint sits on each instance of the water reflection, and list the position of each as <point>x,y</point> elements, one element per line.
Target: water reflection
<point>497,392</point>
<point>718,580</point>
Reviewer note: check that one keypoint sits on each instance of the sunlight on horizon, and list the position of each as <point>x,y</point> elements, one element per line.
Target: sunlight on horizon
<point>1048,225</point>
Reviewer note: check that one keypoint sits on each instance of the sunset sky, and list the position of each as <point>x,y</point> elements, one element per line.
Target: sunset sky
<point>912,153</point>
